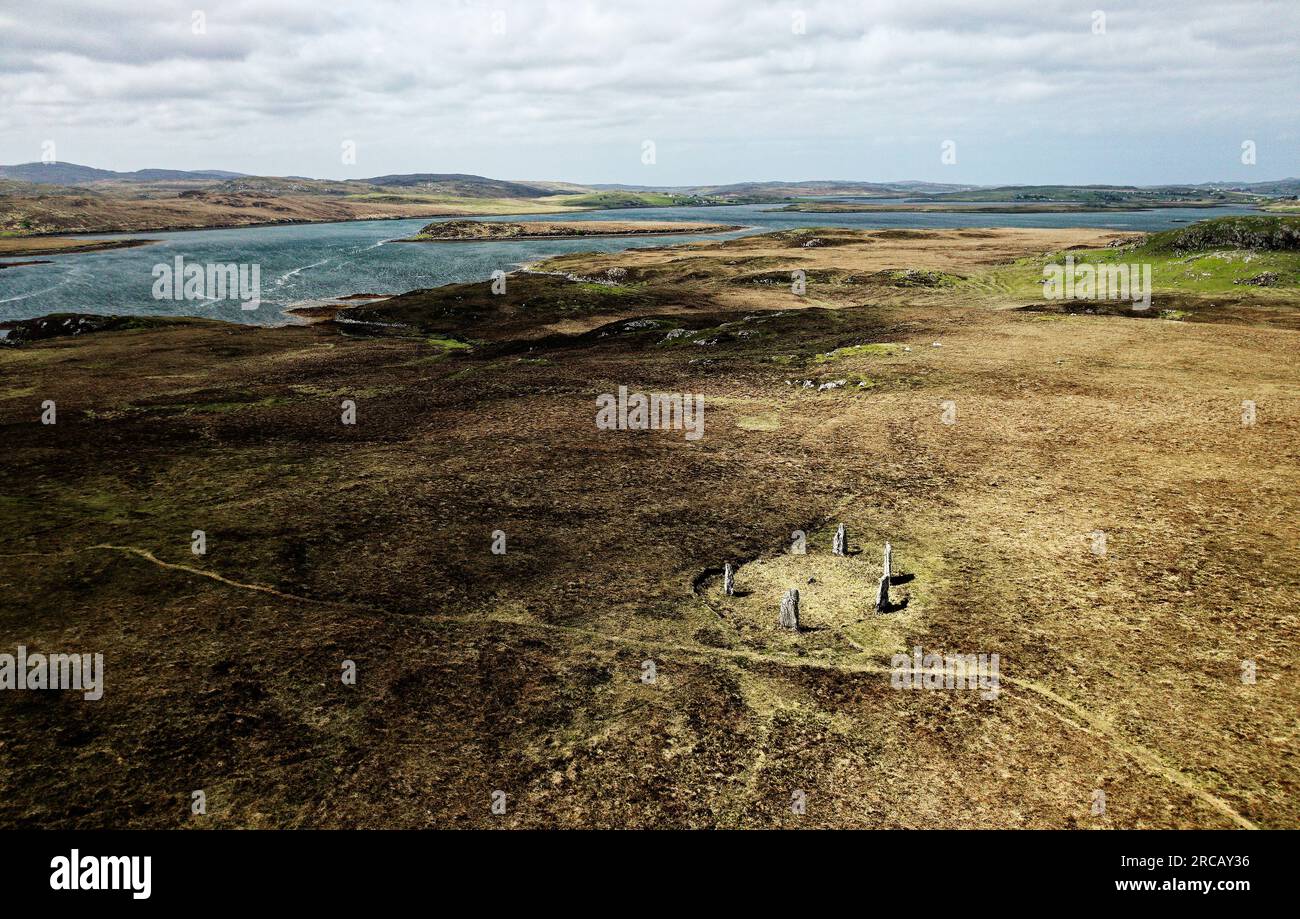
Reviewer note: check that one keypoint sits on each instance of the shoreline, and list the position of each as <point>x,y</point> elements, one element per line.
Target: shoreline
<point>314,310</point>
<point>189,228</point>
<point>39,250</point>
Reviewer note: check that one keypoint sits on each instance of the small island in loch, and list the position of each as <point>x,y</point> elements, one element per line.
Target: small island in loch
<point>486,230</point>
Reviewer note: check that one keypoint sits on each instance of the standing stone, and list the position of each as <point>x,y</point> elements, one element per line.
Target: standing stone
<point>889,562</point>
<point>882,595</point>
<point>841,541</point>
<point>790,610</point>
<point>728,579</point>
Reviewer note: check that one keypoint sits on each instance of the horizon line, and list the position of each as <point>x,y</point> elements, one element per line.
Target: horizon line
<point>1013,184</point>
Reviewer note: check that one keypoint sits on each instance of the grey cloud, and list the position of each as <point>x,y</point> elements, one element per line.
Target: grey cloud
<point>571,72</point>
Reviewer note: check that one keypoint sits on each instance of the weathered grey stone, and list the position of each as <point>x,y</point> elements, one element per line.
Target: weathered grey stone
<point>841,541</point>
<point>882,595</point>
<point>889,562</point>
<point>790,610</point>
<point>728,579</point>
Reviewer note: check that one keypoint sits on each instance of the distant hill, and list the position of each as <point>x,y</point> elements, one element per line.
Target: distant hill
<point>834,188</point>
<point>1098,195</point>
<point>280,185</point>
<point>463,185</point>
<point>467,185</point>
<point>168,175</point>
<point>65,197</point>
<point>460,185</point>
<point>1109,194</point>
<point>72,174</point>
<point>626,199</point>
<point>806,188</point>
<point>1272,187</point>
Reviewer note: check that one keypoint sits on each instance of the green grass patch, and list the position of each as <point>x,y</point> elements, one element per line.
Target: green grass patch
<point>1228,255</point>
<point>200,408</point>
<point>617,290</point>
<point>447,344</point>
<point>873,349</point>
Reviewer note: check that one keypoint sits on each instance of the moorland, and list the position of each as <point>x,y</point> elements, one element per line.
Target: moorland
<point>913,385</point>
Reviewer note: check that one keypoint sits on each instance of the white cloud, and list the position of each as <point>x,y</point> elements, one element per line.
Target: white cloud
<point>571,88</point>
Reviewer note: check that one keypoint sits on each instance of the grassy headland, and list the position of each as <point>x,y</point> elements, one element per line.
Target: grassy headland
<point>1244,268</point>
<point>19,246</point>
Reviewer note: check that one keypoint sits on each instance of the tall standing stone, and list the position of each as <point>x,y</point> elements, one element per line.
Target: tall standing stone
<point>882,595</point>
<point>889,562</point>
<point>728,579</point>
<point>841,541</point>
<point>790,610</point>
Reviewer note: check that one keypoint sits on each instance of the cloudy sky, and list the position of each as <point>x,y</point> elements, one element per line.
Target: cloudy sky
<point>1031,91</point>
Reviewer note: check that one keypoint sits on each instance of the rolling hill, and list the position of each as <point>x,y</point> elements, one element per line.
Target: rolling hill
<point>72,174</point>
<point>460,185</point>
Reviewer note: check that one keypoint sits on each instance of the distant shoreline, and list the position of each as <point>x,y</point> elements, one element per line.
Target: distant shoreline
<point>1043,207</point>
<point>811,207</point>
<point>469,231</point>
<point>189,228</point>
<point>46,245</point>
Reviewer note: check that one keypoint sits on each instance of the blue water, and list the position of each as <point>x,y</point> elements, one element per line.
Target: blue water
<point>310,263</point>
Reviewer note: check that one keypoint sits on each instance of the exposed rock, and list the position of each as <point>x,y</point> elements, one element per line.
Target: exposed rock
<point>790,610</point>
<point>882,595</point>
<point>58,325</point>
<point>912,277</point>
